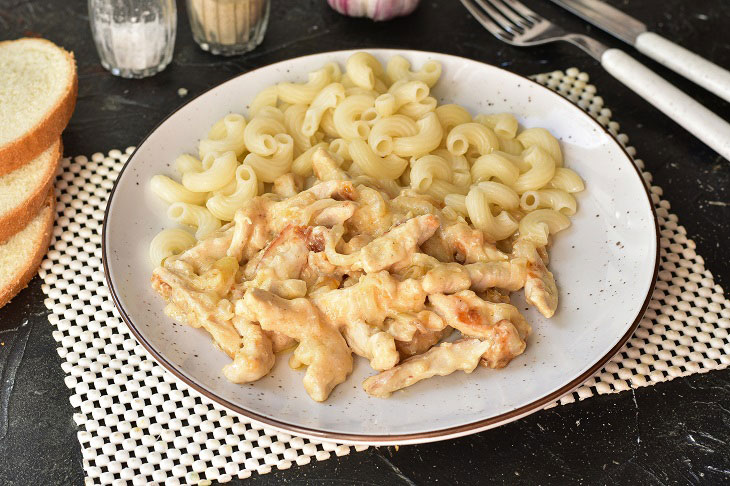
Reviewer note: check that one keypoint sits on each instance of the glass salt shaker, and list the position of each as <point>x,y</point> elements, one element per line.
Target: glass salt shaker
<point>134,38</point>
<point>228,27</point>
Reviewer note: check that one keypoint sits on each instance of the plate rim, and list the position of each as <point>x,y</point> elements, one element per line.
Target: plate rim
<point>383,439</point>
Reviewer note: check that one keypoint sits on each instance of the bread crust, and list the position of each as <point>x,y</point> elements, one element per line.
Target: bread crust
<point>21,282</point>
<point>21,215</point>
<point>22,150</point>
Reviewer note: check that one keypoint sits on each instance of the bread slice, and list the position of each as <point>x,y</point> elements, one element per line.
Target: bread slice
<point>38,88</point>
<point>21,255</point>
<point>23,191</point>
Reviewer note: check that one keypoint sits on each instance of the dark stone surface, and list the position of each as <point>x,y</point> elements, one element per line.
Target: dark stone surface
<point>672,433</point>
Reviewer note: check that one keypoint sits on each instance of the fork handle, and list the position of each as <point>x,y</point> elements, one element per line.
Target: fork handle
<point>692,116</point>
<point>693,67</point>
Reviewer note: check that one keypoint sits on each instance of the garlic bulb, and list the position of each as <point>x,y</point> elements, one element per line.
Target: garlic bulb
<point>375,9</point>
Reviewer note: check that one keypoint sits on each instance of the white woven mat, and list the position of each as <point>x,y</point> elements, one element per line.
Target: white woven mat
<point>139,425</point>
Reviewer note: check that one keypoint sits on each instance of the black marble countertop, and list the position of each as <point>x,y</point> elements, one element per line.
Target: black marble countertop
<point>671,433</point>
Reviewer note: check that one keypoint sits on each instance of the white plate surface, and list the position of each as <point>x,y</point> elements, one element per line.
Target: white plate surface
<point>605,266</point>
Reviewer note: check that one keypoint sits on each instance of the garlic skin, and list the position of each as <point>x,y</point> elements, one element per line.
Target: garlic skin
<point>375,9</point>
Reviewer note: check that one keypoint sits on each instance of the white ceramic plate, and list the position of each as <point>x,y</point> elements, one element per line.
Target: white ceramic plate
<point>605,265</point>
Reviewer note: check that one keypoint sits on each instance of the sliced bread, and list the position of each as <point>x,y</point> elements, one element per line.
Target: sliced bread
<point>38,88</point>
<point>24,190</point>
<point>21,255</point>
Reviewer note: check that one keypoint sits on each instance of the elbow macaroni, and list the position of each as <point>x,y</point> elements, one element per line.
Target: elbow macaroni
<point>471,134</point>
<point>408,92</point>
<point>267,97</point>
<point>418,109</point>
<point>347,115</point>
<point>295,93</point>
<point>424,141</point>
<point>328,98</point>
<point>382,134</point>
<point>223,206</point>
<point>556,199</point>
<point>187,163</point>
<point>302,165</point>
<point>259,135</point>
<point>567,180</point>
<point>171,191</point>
<point>389,167</point>
<point>170,242</point>
<point>398,68</point>
<point>217,171</point>
<point>504,125</point>
<point>538,225</point>
<point>427,169</point>
<point>197,216</point>
<point>363,69</point>
<point>294,120</point>
<point>539,137</point>
<point>452,115</point>
<point>478,208</point>
<point>226,135</point>
<point>495,165</point>
<point>541,171</point>
<point>269,168</point>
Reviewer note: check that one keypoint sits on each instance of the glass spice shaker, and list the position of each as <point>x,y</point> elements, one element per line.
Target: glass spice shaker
<point>134,38</point>
<point>228,27</point>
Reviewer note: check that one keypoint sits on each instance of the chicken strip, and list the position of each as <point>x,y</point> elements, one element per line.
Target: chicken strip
<point>388,250</point>
<point>375,297</point>
<point>373,216</point>
<point>200,308</point>
<point>263,217</point>
<point>371,343</point>
<point>285,256</point>
<point>495,295</point>
<point>505,344</point>
<point>446,278</point>
<point>321,346</point>
<point>441,360</point>
<point>474,316</point>
<point>449,278</point>
<point>288,185</point>
<point>326,168</point>
<point>540,288</point>
<point>251,231</point>
<point>508,275</point>
<point>499,324</point>
<point>404,325</point>
<point>335,214</point>
<point>256,356</point>
<point>457,241</point>
<point>206,251</point>
<point>421,341</point>
<point>409,204</point>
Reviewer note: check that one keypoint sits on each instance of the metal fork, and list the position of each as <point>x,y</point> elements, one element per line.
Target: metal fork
<point>514,23</point>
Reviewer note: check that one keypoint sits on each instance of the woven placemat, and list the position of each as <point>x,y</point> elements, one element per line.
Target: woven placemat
<point>138,424</point>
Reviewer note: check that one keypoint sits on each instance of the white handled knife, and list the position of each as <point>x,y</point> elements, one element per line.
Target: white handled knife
<point>693,67</point>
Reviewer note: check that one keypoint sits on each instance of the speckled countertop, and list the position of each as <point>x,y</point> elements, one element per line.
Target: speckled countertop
<point>672,433</point>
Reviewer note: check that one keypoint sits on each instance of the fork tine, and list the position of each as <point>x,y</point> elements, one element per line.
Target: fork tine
<point>487,22</point>
<point>493,11</point>
<point>521,9</point>
<point>511,14</point>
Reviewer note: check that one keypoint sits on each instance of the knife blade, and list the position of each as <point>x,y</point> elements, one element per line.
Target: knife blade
<point>693,67</point>
<point>606,17</point>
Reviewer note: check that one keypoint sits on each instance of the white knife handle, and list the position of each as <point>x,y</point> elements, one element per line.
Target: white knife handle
<point>691,115</point>
<point>693,67</point>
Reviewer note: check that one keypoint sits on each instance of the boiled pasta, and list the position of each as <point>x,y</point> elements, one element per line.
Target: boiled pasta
<point>373,120</point>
